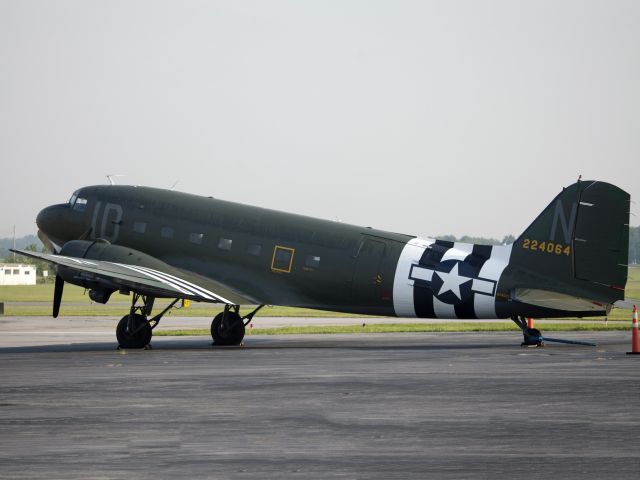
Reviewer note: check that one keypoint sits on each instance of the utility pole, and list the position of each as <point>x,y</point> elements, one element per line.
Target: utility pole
<point>14,242</point>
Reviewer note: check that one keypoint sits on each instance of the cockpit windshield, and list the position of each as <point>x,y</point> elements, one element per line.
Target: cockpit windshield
<point>78,203</point>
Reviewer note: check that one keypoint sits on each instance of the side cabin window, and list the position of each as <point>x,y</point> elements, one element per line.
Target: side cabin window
<point>225,244</point>
<point>282,259</point>
<point>312,261</point>
<point>139,227</point>
<point>196,238</point>
<point>254,249</point>
<point>166,232</point>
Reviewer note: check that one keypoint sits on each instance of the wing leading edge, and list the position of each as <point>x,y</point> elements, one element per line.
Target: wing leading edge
<point>168,282</point>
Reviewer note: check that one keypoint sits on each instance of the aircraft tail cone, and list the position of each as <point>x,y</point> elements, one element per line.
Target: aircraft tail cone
<point>635,337</point>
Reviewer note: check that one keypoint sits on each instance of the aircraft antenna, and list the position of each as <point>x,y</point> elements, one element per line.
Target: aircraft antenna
<point>113,176</point>
<point>174,185</point>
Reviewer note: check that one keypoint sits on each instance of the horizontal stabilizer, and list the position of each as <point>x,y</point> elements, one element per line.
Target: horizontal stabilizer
<point>557,301</point>
<point>626,304</point>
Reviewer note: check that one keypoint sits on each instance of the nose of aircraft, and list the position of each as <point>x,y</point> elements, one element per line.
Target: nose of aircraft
<point>56,222</point>
<point>48,217</point>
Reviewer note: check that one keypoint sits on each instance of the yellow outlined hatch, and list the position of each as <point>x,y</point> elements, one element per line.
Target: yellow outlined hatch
<point>282,259</point>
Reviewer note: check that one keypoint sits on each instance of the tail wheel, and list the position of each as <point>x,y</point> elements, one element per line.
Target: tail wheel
<point>136,335</point>
<point>229,332</point>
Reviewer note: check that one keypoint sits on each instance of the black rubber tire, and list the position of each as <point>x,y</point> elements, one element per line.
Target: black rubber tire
<point>232,335</point>
<point>529,336</point>
<point>140,339</point>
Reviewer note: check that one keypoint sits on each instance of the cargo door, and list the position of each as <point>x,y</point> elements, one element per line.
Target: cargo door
<point>367,277</point>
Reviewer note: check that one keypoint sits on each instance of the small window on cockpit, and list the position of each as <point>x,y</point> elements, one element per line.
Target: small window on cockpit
<point>80,205</point>
<point>72,200</point>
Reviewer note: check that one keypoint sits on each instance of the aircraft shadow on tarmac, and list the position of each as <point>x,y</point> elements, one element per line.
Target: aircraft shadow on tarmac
<point>357,343</point>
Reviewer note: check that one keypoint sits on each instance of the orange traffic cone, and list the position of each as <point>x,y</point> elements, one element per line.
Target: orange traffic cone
<point>635,337</point>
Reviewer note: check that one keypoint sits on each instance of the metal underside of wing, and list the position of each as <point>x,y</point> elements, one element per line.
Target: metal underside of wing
<point>169,282</point>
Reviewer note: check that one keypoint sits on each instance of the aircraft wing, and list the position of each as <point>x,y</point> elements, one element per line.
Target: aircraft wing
<point>168,282</point>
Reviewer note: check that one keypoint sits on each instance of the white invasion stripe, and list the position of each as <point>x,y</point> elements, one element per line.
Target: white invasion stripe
<point>196,288</point>
<point>443,310</point>
<point>76,260</point>
<point>203,291</point>
<point>184,284</point>
<point>402,284</point>
<point>485,305</point>
<point>155,277</point>
<point>421,273</point>
<point>482,286</point>
<point>460,251</point>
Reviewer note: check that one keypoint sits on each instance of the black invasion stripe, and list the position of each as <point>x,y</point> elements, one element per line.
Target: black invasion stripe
<point>445,243</point>
<point>479,255</point>
<point>422,292</point>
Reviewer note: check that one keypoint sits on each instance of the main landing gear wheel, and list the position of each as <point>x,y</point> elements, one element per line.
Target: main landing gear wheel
<point>135,333</point>
<point>229,330</point>
<point>532,337</point>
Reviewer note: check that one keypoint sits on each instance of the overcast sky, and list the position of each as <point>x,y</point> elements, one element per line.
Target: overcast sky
<point>427,118</point>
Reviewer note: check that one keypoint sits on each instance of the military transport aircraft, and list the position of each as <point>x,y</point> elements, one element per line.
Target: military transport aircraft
<point>152,243</point>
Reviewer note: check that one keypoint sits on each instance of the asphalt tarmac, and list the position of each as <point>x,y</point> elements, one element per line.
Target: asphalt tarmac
<point>319,406</point>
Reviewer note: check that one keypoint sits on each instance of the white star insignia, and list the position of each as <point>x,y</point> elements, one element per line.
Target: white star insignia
<point>451,281</point>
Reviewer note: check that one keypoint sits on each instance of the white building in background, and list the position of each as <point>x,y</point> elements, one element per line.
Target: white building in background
<point>17,274</point>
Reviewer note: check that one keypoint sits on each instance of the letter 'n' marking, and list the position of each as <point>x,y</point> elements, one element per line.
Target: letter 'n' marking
<point>566,226</point>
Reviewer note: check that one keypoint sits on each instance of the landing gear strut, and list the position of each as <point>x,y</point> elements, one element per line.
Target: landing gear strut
<point>135,329</point>
<point>532,336</point>
<point>228,327</point>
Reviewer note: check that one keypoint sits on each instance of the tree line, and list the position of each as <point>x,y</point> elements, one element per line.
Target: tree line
<point>634,242</point>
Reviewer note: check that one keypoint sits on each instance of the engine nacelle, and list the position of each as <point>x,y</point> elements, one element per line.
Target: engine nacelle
<point>101,288</point>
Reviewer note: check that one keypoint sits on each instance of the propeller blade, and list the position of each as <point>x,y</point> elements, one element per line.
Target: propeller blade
<point>57,295</point>
<point>86,235</point>
<point>46,242</point>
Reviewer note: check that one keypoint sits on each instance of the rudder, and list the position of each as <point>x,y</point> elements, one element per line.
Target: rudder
<point>579,244</point>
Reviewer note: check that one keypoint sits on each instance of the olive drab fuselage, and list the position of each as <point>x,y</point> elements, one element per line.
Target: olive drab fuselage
<point>277,258</point>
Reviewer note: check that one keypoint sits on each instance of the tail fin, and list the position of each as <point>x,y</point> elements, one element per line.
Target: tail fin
<point>579,245</point>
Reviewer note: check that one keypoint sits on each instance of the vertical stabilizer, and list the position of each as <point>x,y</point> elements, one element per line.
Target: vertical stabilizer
<point>578,245</point>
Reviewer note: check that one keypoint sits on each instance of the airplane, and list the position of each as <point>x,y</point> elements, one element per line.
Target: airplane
<point>153,243</point>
